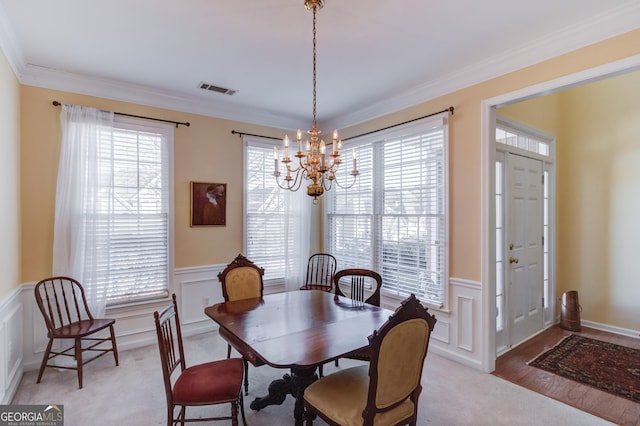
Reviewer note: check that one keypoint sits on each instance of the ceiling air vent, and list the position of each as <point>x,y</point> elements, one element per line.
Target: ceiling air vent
<point>211,87</point>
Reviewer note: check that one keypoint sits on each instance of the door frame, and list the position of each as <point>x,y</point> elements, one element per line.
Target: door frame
<point>487,234</point>
<point>548,168</point>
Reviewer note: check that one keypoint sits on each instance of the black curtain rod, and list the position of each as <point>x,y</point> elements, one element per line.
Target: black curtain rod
<point>234,132</point>
<point>177,123</point>
<point>449,110</point>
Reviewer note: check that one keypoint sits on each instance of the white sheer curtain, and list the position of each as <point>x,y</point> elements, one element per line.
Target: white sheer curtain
<point>277,222</point>
<point>298,228</point>
<point>77,242</point>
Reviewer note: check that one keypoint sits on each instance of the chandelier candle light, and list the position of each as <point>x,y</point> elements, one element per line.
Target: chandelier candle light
<point>313,164</point>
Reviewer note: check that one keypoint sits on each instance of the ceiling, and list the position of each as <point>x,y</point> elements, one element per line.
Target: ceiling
<point>373,57</point>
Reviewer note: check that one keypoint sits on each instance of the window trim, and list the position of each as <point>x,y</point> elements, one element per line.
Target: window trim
<point>408,129</point>
<point>141,125</point>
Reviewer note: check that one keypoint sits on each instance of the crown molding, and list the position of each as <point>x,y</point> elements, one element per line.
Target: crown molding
<point>623,19</point>
<point>145,95</point>
<point>620,20</point>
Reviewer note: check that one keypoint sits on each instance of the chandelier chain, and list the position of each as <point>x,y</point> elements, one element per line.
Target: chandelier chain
<point>315,163</point>
<point>314,66</point>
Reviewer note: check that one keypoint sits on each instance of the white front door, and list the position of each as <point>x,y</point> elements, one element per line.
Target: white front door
<point>524,251</point>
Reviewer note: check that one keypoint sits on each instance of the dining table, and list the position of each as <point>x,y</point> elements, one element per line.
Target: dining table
<point>297,330</point>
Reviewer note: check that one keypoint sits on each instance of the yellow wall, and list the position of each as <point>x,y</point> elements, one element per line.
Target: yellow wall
<point>465,136</point>
<point>207,151</point>
<point>9,179</point>
<point>542,113</point>
<point>600,200</point>
<point>598,181</point>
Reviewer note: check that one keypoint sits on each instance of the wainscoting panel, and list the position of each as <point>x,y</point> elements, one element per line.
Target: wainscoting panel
<point>11,345</point>
<point>196,294</point>
<point>134,324</point>
<point>442,330</point>
<point>465,323</point>
<point>457,334</point>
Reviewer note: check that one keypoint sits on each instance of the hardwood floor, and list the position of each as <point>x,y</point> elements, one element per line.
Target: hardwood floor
<point>512,366</point>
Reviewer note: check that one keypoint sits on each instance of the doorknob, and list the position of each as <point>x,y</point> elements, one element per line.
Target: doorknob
<point>513,259</point>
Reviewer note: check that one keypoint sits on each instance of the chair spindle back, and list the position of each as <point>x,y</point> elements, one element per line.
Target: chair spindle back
<point>169,341</point>
<point>62,301</point>
<point>320,271</point>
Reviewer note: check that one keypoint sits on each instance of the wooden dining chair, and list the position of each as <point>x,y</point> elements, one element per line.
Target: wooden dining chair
<point>362,285</point>
<point>241,279</point>
<point>64,307</point>
<point>321,268</point>
<point>211,383</point>
<point>387,390</point>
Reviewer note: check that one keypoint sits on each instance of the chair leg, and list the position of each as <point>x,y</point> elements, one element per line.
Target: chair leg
<point>170,411</point>
<point>228,351</point>
<point>78,357</point>
<point>308,417</point>
<point>113,345</point>
<point>45,360</point>
<point>246,376</point>
<point>234,413</point>
<point>321,370</point>
<point>244,420</point>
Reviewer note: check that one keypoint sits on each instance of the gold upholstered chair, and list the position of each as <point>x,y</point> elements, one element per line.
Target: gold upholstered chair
<point>241,279</point>
<point>386,391</point>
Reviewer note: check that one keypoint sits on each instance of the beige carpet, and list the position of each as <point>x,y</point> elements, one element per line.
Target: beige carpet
<point>132,394</point>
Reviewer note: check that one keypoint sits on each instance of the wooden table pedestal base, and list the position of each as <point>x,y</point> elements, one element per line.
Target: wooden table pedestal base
<point>292,384</point>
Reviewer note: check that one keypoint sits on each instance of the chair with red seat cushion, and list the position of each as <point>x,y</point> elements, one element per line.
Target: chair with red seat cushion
<point>63,305</point>
<point>211,383</point>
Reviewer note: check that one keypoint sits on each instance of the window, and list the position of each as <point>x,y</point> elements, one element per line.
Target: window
<point>512,136</point>
<point>500,266</point>
<point>134,216</point>
<point>276,220</point>
<point>395,218</point>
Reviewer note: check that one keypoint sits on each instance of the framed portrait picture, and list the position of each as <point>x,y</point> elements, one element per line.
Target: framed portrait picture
<point>208,204</point>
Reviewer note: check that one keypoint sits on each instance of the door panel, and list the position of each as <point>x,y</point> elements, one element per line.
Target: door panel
<point>525,252</point>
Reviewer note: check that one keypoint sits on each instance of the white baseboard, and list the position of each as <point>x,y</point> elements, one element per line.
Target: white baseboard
<point>444,352</point>
<point>611,329</point>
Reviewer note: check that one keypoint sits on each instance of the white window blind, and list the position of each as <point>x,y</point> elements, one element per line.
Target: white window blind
<point>134,216</point>
<point>266,235</point>
<point>394,220</point>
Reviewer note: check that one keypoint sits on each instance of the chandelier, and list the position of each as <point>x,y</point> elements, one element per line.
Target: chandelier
<point>315,165</point>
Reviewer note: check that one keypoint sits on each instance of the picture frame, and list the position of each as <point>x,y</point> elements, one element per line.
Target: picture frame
<point>208,204</point>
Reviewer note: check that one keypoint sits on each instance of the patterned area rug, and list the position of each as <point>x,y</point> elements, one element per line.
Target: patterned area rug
<point>606,366</point>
